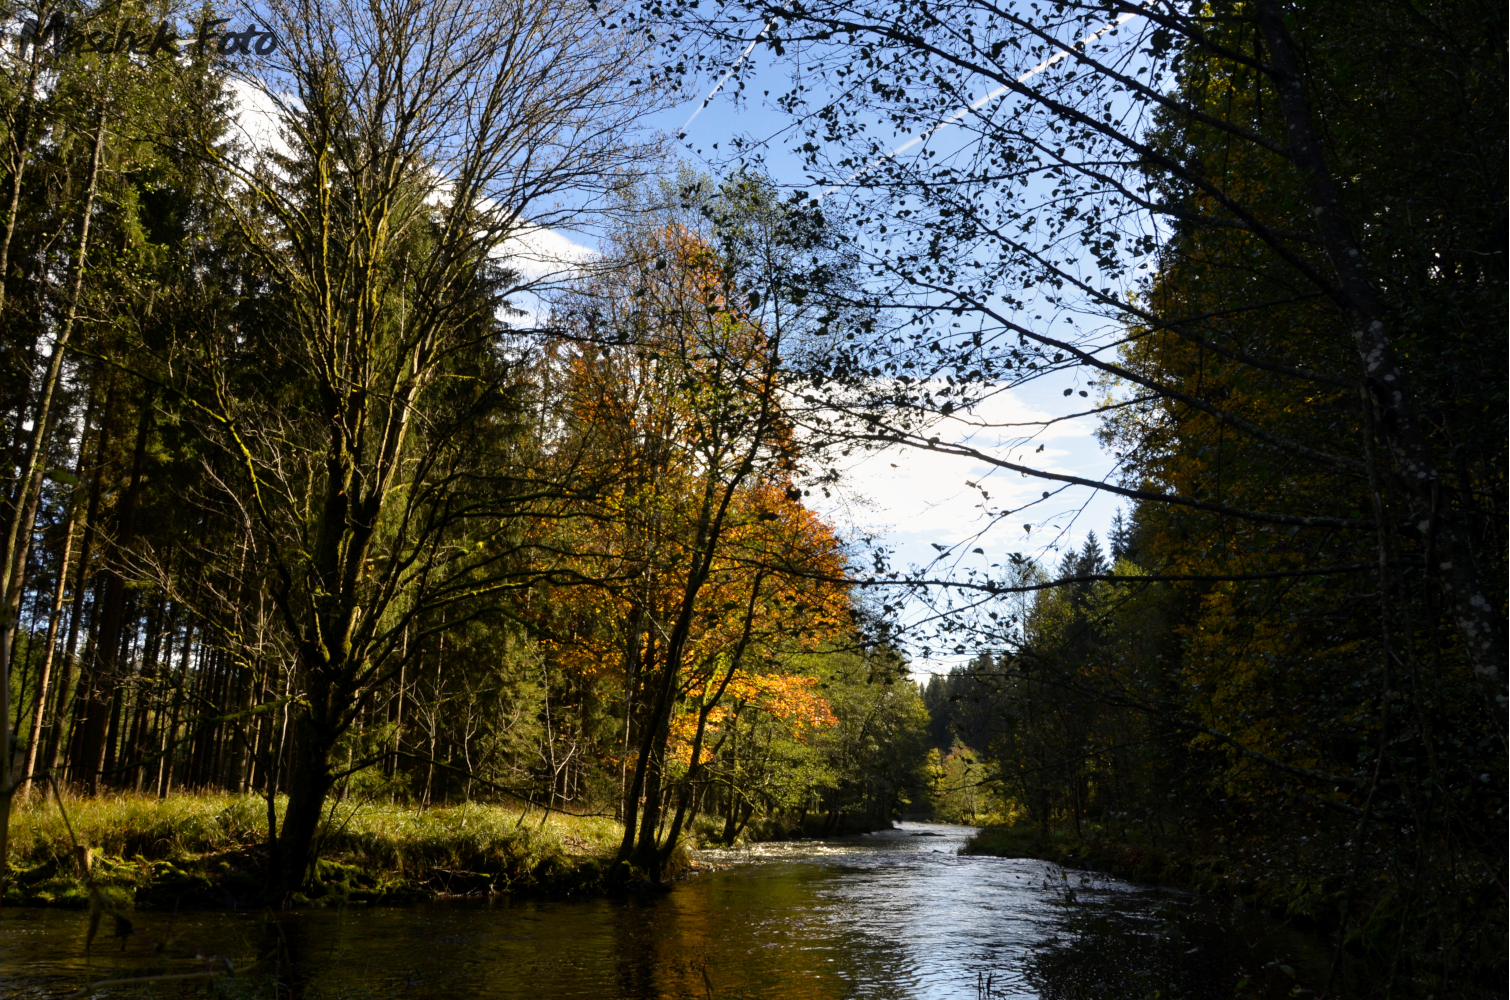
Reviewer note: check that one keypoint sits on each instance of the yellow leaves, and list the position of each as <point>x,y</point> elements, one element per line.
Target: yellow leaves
<point>789,697</point>
<point>792,701</point>
<point>669,407</point>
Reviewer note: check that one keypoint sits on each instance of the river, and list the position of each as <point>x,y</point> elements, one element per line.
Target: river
<point>896,914</point>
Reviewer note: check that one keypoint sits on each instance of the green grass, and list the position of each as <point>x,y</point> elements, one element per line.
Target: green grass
<point>1018,841</point>
<point>175,828</point>
<point>211,849</point>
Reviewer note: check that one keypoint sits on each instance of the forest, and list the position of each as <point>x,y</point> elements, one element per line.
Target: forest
<point>324,483</point>
<point>302,504</point>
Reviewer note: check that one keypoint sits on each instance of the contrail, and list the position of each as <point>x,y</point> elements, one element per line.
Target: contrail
<point>730,71</point>
<point>1063,53</point>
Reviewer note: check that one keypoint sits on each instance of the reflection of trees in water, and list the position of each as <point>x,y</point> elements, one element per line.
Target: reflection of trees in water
<point>637,940</point>
<point>820,929</point>
<point>1118,955</point>
<point>768,935</point>
<point>1177,948</point>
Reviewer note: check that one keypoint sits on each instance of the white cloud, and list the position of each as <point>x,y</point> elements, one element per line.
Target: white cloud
<point>256,118</point>
<point>910,499</point>
<point>925,495</point>
<point>540,254</point>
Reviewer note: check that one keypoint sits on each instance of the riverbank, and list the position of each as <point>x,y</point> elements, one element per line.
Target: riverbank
<point>211,850</point>
<point>884,914</point>
<point>811,826</point>
<point>1314,901</point>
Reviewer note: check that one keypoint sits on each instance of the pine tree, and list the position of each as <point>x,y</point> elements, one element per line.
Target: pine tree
<point>1091,561</point>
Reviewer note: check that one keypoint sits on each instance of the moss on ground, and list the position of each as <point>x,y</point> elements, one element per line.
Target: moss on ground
<point>211,850</point>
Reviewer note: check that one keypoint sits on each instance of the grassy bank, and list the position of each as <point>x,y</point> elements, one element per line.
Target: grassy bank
<point>211,850</point>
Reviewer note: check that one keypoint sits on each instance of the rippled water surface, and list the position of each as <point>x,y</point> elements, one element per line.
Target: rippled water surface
<point>897,914</point>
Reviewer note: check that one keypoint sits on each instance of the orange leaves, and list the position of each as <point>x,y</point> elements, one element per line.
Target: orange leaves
<point>789,697</point>
<point>792,701</point>
<point>679,517</point>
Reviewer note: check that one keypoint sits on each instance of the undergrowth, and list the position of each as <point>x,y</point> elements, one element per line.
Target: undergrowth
<point>212,850</point>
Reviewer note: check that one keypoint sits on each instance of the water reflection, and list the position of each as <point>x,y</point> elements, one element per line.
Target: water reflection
<point>883,917</point>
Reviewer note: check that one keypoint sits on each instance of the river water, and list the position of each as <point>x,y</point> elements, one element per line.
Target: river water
<point>897,914</point>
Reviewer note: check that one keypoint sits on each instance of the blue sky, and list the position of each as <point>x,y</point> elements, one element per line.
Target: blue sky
<point>913,499</point>
<point>910,501</point>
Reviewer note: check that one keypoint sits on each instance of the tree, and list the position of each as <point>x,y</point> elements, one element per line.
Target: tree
<point>1103,130</point>
<point>75,118</point>
<point>678,377</point>
<point>417,140</point>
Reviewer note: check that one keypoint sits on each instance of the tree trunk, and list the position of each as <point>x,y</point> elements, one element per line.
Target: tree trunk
<point>103,679</point>
<point>133,752</point>
<point>745,813</point>
<point>21,144</point>
<point>170,734</point>
<point>44,678</point>
<point>309,782</point>
<point>647,855</point>
<point>61,728</point>
<point>694,767</point>
<point>29,488</point>
<point>631,679</point>
<point>80,704</point>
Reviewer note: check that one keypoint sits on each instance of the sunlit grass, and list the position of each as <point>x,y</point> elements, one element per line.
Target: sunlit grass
<point>176,828</point>
<point>480,837</point>
<point>370,844</point>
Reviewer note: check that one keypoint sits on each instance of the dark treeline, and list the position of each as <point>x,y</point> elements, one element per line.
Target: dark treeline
<point>1262,245</point>
<point>1124,716</point>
